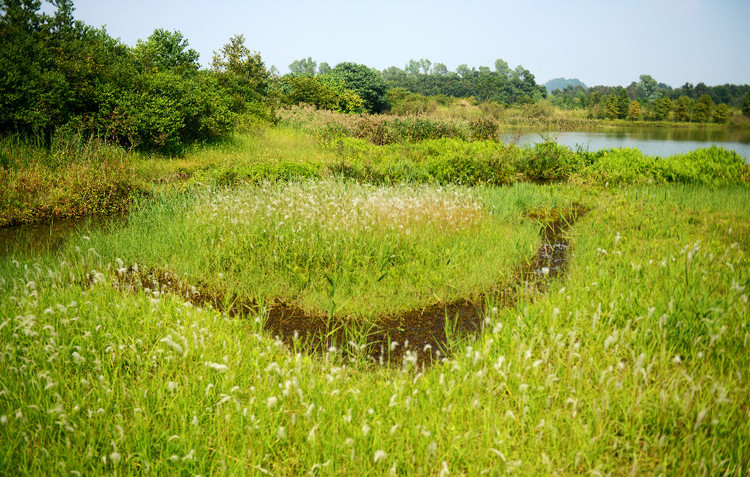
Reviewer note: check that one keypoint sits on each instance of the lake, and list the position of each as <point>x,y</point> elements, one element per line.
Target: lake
<point>660,142</point>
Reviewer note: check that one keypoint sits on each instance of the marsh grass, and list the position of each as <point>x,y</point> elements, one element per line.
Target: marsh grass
<point>75,176</point>
<point>333,247</point>
<point>636,363</point>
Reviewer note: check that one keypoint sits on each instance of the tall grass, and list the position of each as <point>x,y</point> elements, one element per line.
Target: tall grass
<point>332,246</point>
<point>75,176</point>
<point>635,364</point>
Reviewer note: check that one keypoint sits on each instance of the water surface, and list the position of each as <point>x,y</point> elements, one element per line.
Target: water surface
<point>660,142</point>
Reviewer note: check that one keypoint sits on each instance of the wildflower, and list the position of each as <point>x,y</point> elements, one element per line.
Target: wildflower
<point>271,402</point>
<point>379,455</point>
<point>216,366</point>
<point>432,449</point>
<point>172,344</point>
<point>77,358</point>
<point>281,432</point>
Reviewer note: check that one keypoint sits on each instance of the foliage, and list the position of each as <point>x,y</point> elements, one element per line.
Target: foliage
<point>702,109</point>
<point>76,176</point>
<point>662,108</point>
<point>682,109</point>
<point>165,50</point>
<point>634,111</point>
<point>324,91</point>
<point>59,74</point>
<point>502,85</point>
<point>241,73</point>
<point>365,82</point>
<point>303,67</point>
<point>167,111</point>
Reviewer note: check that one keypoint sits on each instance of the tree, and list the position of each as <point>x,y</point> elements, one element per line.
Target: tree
<point>721,113</point>
<point>647,88</point>
<point>746,105</point>
<point>613,106</point>
<point>502,68</point>
<point>166,50</point>
<point>303,67</point>
<point>623,104</point>
<point>702,109</point>
<point>662,108</point>
<point>323,68</point>
<point>413,67</point>
<point>634,110</point>
<point>463,71</point>
<point>365,82</point>
<point>682,108</point>
<point>440,69</point>
<point>425,63</point>
<point>323,91</point>
<point>241,72</point>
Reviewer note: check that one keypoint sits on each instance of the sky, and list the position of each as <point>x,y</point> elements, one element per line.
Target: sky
<point>600,42</point>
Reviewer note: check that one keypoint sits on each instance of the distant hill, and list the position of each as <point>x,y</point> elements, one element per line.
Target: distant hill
<point>561,83</point>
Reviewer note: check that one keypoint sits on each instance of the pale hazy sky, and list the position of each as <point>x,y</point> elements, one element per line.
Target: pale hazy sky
<point>601,42</point>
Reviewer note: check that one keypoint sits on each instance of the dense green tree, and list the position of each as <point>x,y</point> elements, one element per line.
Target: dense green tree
<point>662,108</point>
<point>365,82</point>
<point>303,67</point>
<point>323,91</point>
<point>166,50</point>
<point>647,89</point>
<point>612,106</point>
<point>746,105</point>
<point>463,71</point>
<point>241,73</point>
<point>623,103</point>
<point>414,67</point>
<point>55,70</point>
<point>324,68</point>
<point>720,113</point>
<point>702,109</point>
<point>634,110</point>
<point>682,108</point>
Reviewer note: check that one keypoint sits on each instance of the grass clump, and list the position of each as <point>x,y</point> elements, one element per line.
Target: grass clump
<point>334,247</point>
<point>75,177</point>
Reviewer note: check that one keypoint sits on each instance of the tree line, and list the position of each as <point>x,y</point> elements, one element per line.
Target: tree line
<point>648,99</point>
<point>58,74</point>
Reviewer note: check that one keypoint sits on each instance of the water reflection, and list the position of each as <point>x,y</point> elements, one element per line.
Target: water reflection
<point>651,141</point>
<point>35,239</point>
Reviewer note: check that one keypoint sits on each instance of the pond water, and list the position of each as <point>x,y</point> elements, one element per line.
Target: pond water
<point>660,142</point>
<point>29,240</point>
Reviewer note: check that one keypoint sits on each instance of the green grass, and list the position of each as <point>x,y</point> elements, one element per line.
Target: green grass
<point>636,362</point>
<point>633,363</point>
<point>335,247</point>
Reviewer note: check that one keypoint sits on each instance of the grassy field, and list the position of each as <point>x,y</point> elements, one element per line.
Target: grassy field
<point>633,362</point>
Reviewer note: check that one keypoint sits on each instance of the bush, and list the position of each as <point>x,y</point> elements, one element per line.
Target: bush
<point>547,161</point>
